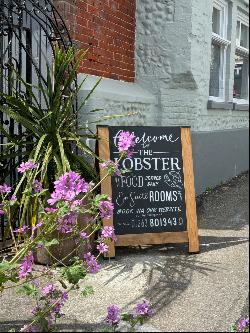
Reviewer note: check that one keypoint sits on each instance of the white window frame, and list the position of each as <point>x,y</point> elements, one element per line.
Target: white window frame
<point>222,41</point>
<point>243,19</point>
<point>242,51</point>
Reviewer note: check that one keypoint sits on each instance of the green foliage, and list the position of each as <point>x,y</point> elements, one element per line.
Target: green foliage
<point>7,273</point>
<point>53,242</point>
<point>88,291</point>
<point>99,198</point>
<point>74,274</point>
<point>51,129</point>
<point>127,317</point>
<point>7,266</point>
<point>132,320</point>
<point>51,136</point>
<point>28,290</point>
<point>233,328</point>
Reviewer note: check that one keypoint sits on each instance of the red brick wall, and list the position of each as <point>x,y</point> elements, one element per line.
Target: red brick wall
<point>107,29</point>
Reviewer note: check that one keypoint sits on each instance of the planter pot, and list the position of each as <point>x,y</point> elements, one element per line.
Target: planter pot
<point>64,251</point>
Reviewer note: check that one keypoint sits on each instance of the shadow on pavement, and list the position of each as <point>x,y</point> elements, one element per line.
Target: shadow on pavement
<point>70,327</point>
<point>169,268</point>
<point>226,207</point>
<point>212,243</point>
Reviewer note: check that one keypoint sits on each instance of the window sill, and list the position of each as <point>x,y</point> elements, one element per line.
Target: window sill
<point>241,107</point>
<point>220,105</point>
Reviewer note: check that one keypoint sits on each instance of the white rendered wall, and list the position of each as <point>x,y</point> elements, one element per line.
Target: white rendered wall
<point>173,51</point>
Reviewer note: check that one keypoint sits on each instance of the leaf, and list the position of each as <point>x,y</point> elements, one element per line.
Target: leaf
<point>20,119</point>
<point>28,290</point>
<point>127,317</point>
<point>6,134</point>
<point>53,242</point>
<point>74,273</point>
<point>39,146</point>
<point>89,95</point>
<point>65,162</point>
<point>5,266</point>
<point>101,197</point>
<point>97,110</point>
<point>46,159</point>
<point>3,279</point>
<point>5,269</point>
<point>87,291</point>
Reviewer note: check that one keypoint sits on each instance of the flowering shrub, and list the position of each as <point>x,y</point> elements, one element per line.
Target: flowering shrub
<point>141,312</point>
<point>241,326</point>
<point>59,213</point>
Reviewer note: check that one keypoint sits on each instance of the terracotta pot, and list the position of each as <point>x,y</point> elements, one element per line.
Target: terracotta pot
<point>64,251</point>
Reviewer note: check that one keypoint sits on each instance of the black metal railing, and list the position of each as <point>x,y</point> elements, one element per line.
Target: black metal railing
<point>28,30</point>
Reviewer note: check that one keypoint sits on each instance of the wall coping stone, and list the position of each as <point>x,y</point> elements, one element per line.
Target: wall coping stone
<point>116,90</point>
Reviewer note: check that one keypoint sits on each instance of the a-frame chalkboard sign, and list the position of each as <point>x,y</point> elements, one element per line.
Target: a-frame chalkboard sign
<point>155,202</point>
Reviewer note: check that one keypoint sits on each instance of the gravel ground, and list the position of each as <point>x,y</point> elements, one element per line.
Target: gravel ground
<point>206,292</point>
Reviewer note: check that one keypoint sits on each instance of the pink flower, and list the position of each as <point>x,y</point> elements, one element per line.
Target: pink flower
<point>113,318</point>
<point>49,289</point>
<point>144,309</point>
<point>26,266</point>
<point>37,186</point>
<point>92,264</point>
<point>102,248</point>
<point>83,235</point>
<point>68,222</point>
<point>25,166</point>
<point>13,198</point>
<point>22,229</point>
<point>1,210</point>
<point>108,233</point>
<point>106,209</point>
<point>5,188</point>
<point>37,226</point>
<point>113,168</point>
<point>77,203</point>
<point>50,210</point>
<point>126,142</point>
<point>243,325</point>
<point>68,187</point>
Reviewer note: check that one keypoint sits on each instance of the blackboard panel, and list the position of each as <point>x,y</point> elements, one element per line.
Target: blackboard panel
<point>151,198</point>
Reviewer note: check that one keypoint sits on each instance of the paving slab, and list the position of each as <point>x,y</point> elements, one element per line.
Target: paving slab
<point>206,292</point>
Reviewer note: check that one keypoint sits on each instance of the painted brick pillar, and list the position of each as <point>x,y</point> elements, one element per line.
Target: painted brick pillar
<point>107,29</point>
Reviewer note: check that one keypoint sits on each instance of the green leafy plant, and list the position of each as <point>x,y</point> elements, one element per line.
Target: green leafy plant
<point>50,138</point>
<point>51,128</point>
<point>72,198</point>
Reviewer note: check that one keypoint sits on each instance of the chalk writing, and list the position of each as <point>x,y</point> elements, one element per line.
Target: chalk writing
<point>151,198</point>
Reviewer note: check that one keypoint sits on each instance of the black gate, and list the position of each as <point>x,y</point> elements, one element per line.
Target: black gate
<point>28,30</point>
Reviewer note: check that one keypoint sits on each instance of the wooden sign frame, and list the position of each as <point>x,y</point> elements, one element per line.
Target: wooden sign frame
<point>191,235</point>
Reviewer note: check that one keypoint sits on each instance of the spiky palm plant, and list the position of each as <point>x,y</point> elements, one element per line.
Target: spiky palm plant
<point>50,129</point>
<point>50,137</point>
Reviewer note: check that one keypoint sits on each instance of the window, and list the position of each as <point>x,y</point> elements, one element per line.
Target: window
<point>218,50</point>
<point>241,70</point>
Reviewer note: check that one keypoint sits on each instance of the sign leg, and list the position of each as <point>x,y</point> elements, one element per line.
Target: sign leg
<point>106,186</point>
<point>194,246</point>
